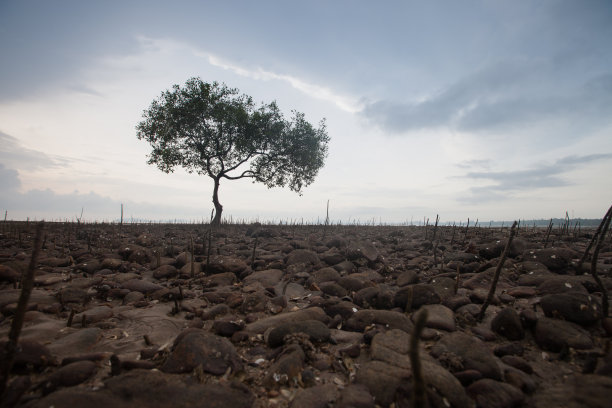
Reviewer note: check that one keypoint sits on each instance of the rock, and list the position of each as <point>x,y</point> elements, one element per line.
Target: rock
<point>141,286</point>
<point>580,391</point>
<point>94,315</point>
<point>421,294</point>
<point>286,368</point>
<point>518,362</point>
<point>343,308</point>
<point>382,380</point>
<point>260,326</point>
<point>165,272</point>
<point>409,277</point>
<point>494,394</point>
<point>391,349</point>
<point>319,396</point>
<point>444,287</point>
<point>362,250</point>
<point>559,284</point>
<point>472,353</point>
<point>554,335</point>
<point>355,396</point>
<point>268,278</point>
<point>221,264</point>
<point>302,256</point>
<point>438,317</point>
<point>507,323</point>
<point>227,328</point>
<point>8,274</point>
<point>220,279</point>
<point>352,283</point>
<point>78,342</point>
<point>317,332</point>
<point>333,289</point>
<point>29,353</point>
<point>388,318</point>
<point>73,295</point>
<point>69,375</point>
<point>576,307</point>
<point>324,275</point>
<point>194,347</point>
<point>151,388</point>
<point>555,259</point>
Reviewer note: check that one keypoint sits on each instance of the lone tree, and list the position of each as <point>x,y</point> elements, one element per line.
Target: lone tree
<point>212,129</point>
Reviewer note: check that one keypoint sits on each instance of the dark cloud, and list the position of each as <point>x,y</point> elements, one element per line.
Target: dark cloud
<point>512,95</point>
<point>47,204</point>
<point>541,176</point>
<point>14,155</point>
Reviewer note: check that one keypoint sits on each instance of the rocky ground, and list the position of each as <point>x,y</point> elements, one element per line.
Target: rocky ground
<point>303,316</point>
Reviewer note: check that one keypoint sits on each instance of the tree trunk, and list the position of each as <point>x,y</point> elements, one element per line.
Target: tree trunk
<point>218,206</point>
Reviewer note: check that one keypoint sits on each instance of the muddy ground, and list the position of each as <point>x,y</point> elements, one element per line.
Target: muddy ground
<point>304,316</point>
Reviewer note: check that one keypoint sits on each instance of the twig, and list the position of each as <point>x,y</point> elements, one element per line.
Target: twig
<point>418,398</point>
<point>604,291</point>
<point>497,273</point>
<point>27,285</point>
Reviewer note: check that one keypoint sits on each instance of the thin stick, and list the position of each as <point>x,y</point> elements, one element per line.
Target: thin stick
<point>497,273</point>
<point>418,398</point>
<point>604,291</point>
<point>593,240</point>
<point>27,284</point>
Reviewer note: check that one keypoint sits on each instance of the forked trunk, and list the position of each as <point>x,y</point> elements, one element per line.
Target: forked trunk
<point>218,207</point>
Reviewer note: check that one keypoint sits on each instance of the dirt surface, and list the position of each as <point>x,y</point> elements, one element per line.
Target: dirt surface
<point>304,316</point>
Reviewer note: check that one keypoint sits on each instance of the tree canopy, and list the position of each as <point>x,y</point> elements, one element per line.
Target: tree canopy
<point>214,130</point>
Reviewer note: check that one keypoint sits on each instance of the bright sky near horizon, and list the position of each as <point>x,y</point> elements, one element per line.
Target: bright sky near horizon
<point>484,109</point>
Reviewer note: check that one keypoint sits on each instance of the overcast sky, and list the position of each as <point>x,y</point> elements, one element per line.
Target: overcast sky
<point>494,110</point>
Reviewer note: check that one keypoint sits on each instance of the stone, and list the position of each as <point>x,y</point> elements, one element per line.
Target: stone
<point>151,388</point>
<point>94,315</point>
<point>362,250</point>
<point>286,367</point>
<point>507,323</point>
<point>317,332</point>
<point>555,259</point>
<point>29,353</point>
<point>580,391</point>
<point>268,278</point>
<point>333,289</point>
<point>165,272</point>
<point>302,256</point>
<point>222,263</point>
<point>195,347</point>
<point>69,375</point>
<point>355,396</point>
<point>554,335</point>
<point>489,393</point>
<point>405,278</point>
<point>324,275</point>
<point>438,317</point>
<point>420,294</point>
<point>319,396</point>
<point>576,307</point>
<point>73,295</point>
<point>8,274</point>
<point>388,318</point>
<point>472,353</point>
<point>142,286</point>
<point>261,325</point>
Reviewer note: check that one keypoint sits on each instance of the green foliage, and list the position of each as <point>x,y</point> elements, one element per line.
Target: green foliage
<point>212,129</point>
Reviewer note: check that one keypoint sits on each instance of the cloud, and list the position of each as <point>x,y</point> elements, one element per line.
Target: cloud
<point>512,94</point>
<point>347,104</point>
<point>541,176</point>
<point>13,154</point>
<point>47,204</point>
